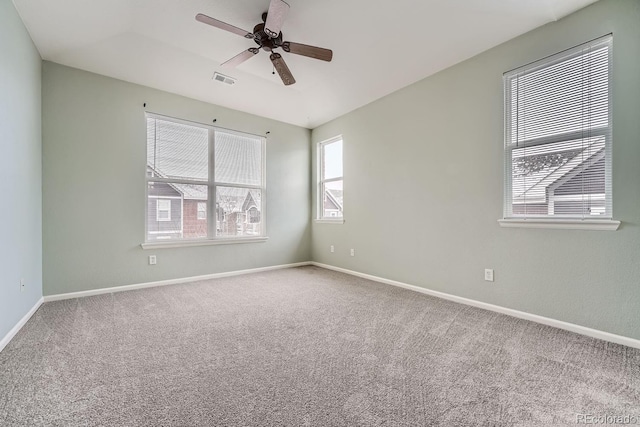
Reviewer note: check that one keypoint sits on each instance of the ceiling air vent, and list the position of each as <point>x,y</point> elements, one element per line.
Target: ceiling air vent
<point>224,79</point>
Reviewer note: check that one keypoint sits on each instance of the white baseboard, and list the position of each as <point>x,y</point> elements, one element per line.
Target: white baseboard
<point>91,292</point>
<point>582,330</point>
<point>12,333</point>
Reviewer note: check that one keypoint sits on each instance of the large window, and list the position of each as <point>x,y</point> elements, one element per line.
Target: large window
<point>330,192</point>
<point>558,136</point>
<point>203,182</point>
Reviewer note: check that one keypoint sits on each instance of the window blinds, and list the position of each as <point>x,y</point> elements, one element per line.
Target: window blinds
<point>203,182</point>
<point>558,135</point>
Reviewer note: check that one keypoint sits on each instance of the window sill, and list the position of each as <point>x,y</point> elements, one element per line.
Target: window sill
<point>565,224</point>
<point>329,221</point>
<point>207,242</point>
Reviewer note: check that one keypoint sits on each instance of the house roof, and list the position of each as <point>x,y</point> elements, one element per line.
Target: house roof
<point>233,199</point>
<point>335,196</point>
<point>578,155</point>
<point>192,192</point>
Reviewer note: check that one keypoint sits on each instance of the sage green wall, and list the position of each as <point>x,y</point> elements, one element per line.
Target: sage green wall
<point>423,187</point>
<point>20,170</point>
<point>94,156</point>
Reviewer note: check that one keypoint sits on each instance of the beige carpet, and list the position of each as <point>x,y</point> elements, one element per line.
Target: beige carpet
<point>303,346</point>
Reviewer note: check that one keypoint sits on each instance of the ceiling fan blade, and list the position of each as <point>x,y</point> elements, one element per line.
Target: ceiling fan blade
<point>275,17</point>
<point>306,50</point>
<point>223,25</point>
<point>240,58</point>
<point>282,69</point>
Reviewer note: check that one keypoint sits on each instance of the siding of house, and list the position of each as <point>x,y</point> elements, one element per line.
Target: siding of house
<point>597,187</point>
<point>330,208</point>
<point>172,228</point>
<point>193,227</point>
<point>159,229</point>
<point>569,188</point>
<point>530,209</point>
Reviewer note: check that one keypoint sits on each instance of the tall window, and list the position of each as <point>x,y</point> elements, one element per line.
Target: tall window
<point>558,135</point>
<point>203,182</point>
<point>202,210</point>
<point>330,194</point>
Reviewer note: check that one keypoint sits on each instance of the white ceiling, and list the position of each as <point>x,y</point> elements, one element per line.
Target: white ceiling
<point>378,47</point>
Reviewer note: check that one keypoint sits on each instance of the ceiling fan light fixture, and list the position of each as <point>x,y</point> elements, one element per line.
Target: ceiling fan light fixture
<point>223,78</point>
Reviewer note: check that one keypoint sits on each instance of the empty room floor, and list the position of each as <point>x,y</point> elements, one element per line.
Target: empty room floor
<point>302,346</point>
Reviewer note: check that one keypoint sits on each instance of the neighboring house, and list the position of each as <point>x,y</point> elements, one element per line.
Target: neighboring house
<point>176,211</point>
<point>332,203</point>
<point>238,219</point>
<point>557,187</point>
<point>180,211</point>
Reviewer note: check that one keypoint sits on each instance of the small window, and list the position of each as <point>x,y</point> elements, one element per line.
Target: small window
<point>163,211</point>
<point>330,182</point>
<point>202,210</point>
<point>558,136</point>
<point>253,215</point>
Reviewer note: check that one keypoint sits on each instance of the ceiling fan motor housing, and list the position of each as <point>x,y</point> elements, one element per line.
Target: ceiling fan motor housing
<point>263,40</point>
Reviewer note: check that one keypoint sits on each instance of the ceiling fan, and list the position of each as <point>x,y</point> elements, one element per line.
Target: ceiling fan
<point>268,36</point>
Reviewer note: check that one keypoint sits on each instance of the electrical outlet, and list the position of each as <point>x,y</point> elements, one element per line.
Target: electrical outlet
<point>353,252</point>
<point>332,249</point>
<point>22,285</point>
<point>152,260</point>
<point>488,274</point>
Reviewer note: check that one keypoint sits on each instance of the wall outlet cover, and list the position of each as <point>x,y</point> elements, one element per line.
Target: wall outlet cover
<point>488,274</point>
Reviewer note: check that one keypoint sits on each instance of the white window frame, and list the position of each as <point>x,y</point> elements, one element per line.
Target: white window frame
<point>198,210</point>
<point>320,218</point>
<point>212,238</point>
<point>555,221</point>
<point>158,210</point>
